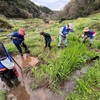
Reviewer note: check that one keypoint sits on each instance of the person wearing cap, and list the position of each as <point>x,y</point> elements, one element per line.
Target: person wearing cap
<point>88,34</point>
<point>8,72</point>
<point>18,39</point>
<point>71,27</point>
<point>63,33</point>
<point>47,38</point>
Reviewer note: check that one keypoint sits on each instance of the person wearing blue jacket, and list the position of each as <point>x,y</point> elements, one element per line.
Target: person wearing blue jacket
<point>88,34</point>
<point>18,40</point>
<point>47,38</point>
<point>8,72</point>
<point>63,33</point>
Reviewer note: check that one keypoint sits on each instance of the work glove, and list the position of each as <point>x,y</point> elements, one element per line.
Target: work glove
<point>82,36</point>
<point>13,38</point>
<point>64,36</point>
<point>94,34</point>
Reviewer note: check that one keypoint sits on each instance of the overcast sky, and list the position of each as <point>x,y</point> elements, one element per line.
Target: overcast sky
<point>52,4</point>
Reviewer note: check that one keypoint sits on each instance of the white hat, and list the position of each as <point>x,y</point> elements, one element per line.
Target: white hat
<point>86,29</point>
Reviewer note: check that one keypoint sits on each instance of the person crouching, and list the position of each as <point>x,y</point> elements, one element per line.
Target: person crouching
<point>47,38</point>
<point>18,40</point>
<point>88,34</point>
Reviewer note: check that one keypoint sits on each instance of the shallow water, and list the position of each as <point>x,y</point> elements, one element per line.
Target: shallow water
<point>26,60</point>
<point>24,92</point>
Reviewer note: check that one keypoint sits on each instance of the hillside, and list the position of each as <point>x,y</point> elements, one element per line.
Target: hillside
<point>21,9</point>
<point>80,8</point>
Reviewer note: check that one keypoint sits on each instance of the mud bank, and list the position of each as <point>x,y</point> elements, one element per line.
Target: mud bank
<point>24,91</point>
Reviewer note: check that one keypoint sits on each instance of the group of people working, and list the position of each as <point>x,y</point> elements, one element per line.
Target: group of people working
<point>8,72</point>
<point>63,35</point>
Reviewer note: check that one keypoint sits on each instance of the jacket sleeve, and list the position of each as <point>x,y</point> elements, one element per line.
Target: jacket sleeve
<point>8,55</point>
<point>60,31</point>
<point>93,32</point>
<point>11,36</point>
<point>84,33</point>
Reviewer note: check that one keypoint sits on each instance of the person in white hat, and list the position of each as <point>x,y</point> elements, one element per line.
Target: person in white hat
<point>88,34</point>
<point>63,34</point>
<point>71,27</point>
<point>18,39</point>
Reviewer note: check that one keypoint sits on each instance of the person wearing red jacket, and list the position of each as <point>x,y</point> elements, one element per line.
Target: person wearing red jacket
<point>88,34</point>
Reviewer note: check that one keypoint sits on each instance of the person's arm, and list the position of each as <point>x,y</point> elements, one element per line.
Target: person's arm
<point>84,34</point>
<point>93,33</point>
<point>11,36</point>
<point>8,55</point>
<point>60,31</point>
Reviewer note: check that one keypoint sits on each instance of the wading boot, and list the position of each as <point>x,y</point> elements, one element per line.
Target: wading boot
<point>8,83</point>
<point>21,54</point>
<point>15,82</point>
<point>58,46</point>
<point>90,44</point>
<point>84,42</point>
<point>27,51</point>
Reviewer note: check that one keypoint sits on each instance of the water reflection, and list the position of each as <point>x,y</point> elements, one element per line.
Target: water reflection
<point>25,60</point>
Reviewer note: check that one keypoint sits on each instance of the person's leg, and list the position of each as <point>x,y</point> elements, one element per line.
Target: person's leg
<point>85,39</point>
<point>6,80</point>
<point>65,41</point>
<point>12,75</point>
<point>19,49</point>
<point>60,41</point>
<point>25,46</point>
<point>15,81</point>
<point>49,42</point>
<point>91,42</point>
<point>8,83</point>
<point>46,44</point>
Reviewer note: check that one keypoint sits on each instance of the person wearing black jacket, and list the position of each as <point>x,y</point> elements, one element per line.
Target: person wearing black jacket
<point>47,38</point>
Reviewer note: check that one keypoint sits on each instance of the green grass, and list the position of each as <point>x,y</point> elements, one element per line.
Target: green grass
<point>56,65</point>
<point>88,87</point>
<point>2,95</point>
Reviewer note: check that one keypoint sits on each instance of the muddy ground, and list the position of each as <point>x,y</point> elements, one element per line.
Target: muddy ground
<point>24,91</point>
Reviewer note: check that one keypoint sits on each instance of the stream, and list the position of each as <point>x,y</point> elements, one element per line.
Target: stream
<point>24,92</point>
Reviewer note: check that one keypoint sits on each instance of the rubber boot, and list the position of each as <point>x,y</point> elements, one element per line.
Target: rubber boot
<point>21,54</point>
<point>58,46</point>
<point>84,42</point>
<point>8,83</point>
<point>90,45</point>
<point>15,82</point>
<point>27,51</point>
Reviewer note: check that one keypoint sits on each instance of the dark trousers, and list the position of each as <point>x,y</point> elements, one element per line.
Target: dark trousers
<point>8,74</point>
<point>10,77</point>
<point>48,43</point>
<point>19,47</point>
<point>91,38</point>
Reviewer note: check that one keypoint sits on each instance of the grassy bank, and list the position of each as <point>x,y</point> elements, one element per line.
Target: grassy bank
<point>88,87</point>
<point>57,64</point>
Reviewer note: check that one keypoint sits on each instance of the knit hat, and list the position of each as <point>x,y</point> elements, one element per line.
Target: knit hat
<point>86,29</point>
<point>21,32</point>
